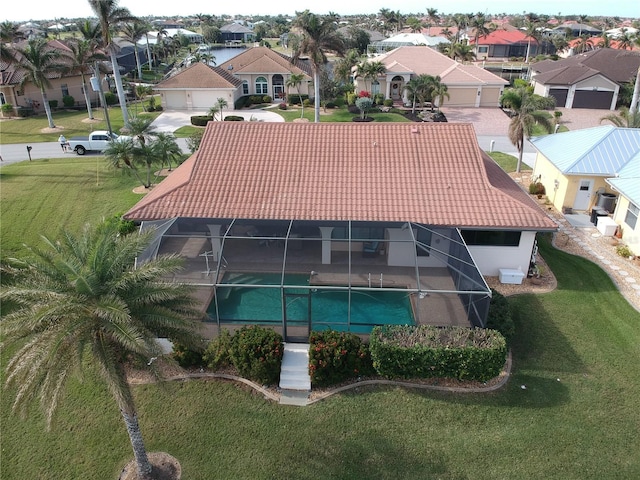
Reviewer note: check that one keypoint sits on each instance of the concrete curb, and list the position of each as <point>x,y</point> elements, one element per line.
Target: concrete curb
<point>505,375</point>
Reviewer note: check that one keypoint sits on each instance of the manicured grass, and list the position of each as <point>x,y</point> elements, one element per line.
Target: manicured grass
<point>336,115</point>
<point>576,351</point>
<point>28,130</point>
<point>507,162</point>
<point>45,196</point>
<point>187,131</point>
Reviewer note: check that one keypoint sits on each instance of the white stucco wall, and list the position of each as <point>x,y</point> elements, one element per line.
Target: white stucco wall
<point>491,259</point>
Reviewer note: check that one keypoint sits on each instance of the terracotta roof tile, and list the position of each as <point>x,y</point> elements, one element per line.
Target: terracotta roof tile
<point>426,173</point>
<point>263,60</point>
<point>200,75</point>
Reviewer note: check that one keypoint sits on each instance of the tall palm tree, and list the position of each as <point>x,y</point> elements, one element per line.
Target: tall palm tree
<point>625,118</point>
<point>342,69</point>
<point>479,24</point>
<point>38,61</point>
<point>110,16</point>
<point>439,91</point>
<point>221,103</point>
<point>370,71</point>
<point>526,107</point>
<point>167,148</point>
<point>85,54</point>
<point>133,32</point>
<point>413,88</point>
<point>80,303</point>
<point>141,129</point>
<point>295,80</point>
<point>432,14</point>
<point>319,35</point>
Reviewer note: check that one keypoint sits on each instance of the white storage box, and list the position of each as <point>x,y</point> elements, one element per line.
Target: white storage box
<point>511,275</point>
<point>607,226</point>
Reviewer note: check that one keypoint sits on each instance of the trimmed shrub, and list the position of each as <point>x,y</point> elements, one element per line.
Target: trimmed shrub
<point>256,99</point>
<point>110,98</point>
<point>295,99</point>
<point>53,103</point>
<point>233,118</point>
<point>158,108</point>
<point>257,353</point>
<point>242,102</point>
<point>337,356</point>
<point>537,188</point>
<point>353,109</point>
<point>378,98</point>
<point>193,141</point>
<point>218,352</point>
<point>426,351</point>
<point>201,120</point>
<point>282,106</point>
<point>499,317</point>
<point>68,101</point>
<point>125,227</point>
<point>306,102</point>
<point>7,109</point>
<point>267,99</point>
<point>351,98</point>
<point>186,357</point>
<point>330,105</point>
<point>388,102</point>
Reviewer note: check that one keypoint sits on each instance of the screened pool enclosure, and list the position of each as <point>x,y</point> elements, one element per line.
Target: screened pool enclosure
<point>299,276</point>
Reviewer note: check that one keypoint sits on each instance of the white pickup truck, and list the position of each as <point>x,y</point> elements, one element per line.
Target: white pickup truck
<point>97,141</point>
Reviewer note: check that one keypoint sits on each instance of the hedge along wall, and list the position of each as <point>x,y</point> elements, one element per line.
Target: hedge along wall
<point>426,351</point>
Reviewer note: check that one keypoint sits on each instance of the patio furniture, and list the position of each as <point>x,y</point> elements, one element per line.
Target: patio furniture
<point>370,249</point>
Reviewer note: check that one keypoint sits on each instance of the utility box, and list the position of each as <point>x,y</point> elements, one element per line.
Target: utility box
<point>607,226</point>
<point>511,275</point>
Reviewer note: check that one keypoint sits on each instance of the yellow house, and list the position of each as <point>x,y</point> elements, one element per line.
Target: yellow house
<point>574,166</point>
<point>627,184</point>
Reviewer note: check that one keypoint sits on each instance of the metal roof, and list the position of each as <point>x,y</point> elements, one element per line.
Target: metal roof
<point>628,180</point>
<point>602,151</point>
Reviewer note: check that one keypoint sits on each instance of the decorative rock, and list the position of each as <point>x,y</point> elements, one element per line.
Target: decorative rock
<point>630,280</point>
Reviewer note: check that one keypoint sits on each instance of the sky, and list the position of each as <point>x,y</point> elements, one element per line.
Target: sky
<point>16,11</point>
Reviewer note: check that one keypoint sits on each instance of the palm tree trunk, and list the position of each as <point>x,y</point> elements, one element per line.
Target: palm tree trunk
<point>316,92</point>
<point>118,78</point>
<point>148,51</point>
<point>633,108</point>
<point>139,452</point>
<point>47,108</point>
<point>87,99</point>
<point>138,64</point>
<point>520,148</point>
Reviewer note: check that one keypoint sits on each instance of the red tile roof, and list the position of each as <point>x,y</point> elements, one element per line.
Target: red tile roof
<point>504,37</point>
<point>200,75</point>
<point>425,173</point>
<point>262,60</point>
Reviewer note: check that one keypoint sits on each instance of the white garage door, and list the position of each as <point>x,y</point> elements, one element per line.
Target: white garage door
<point>204,100</point>
<point>176,100</point>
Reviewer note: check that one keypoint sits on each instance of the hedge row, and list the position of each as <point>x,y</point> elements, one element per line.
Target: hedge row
<point>201,120</point>
<point>425,351</point>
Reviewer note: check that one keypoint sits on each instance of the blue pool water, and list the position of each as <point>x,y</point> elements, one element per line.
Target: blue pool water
<point>329,308</point>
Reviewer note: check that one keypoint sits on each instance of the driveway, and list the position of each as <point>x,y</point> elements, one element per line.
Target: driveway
<point>170,120</point>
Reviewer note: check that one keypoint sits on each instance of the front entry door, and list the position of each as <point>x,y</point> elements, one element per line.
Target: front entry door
<point>395,90</point>
<point>583,195</point>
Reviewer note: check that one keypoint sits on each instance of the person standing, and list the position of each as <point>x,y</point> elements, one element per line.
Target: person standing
<point>63,142</point>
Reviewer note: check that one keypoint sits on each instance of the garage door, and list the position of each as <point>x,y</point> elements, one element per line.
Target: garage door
<point>591,99</point>
<point>560,94</point>
<point>176,100</point>
<point>204,100</point>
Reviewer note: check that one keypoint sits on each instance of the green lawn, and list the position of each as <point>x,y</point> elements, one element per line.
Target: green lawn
<point>507,162</point>
<point>336,115</point>
<point>29,130</point>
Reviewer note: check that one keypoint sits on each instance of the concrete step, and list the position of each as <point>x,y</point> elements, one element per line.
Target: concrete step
<point>294,397</point>
<point>294,373</point>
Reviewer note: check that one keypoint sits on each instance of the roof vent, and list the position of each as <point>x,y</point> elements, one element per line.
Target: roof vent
<point>414,129</point>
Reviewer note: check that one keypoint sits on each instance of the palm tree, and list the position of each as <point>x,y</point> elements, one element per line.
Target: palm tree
<point>342,68</point>
<point>221,103</point>
<point>141,129</point>
<point>438,91</point>
<point>167,148</point>
<point>624,119</point>
<point>295,80</point>
<point>123,152</point>
<point>432,13</point>
<point>110,15</point>
<point>85,53</point>
<point>415,24</point>
<point>413,88</point>
<point>526,108</point>
<point>133,32</point>
<point>370,71</point>
<point>319,35</point>
<point>80,302</point>
<point>38,61</point>
<point>479,24</point>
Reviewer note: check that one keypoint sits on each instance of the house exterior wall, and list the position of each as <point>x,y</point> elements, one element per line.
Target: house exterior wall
<point>305,87</point>
<point>192,99</point>
<point>491,259</point>
<point>32,97</point>
<point>630,236</point>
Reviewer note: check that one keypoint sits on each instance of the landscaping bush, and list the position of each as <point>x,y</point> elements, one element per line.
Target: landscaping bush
<point>499,317</point>
<point>353,109</point>
<point>378,98</point>
<point>306,102</point>
<point>186,357</point>
<point>218,352</point>
<point>282,106</point>
<point>537,188</point>
<point>388,102</point>
<point>330,105</point>
<point>242,102</point>
<point>201,120</point>
<point>53,104</point>
<point>68,101</point>
<point>295,99</point>
<point>233,118</point>
<point>255,99</point>
<point>124,227</point>
<point>337,356</point>
<point>110,98</point>
<point>257,353</point>
<point>7,109</point>
<point>193,141</point>
<point>267,99</point>
<point>426,351</point>
<point>351,98</point>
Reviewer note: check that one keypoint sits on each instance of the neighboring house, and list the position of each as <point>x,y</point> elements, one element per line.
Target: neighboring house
<point>265,72</point>
<point>198,87</point>
<point>505,44</point>
<point>173,32</point>
<point>126,56</point>
<point>587,80</point>
<point>575,30</point>
<point>236,33</point>
<point>28,96</point>
<point>576,166</point>
<point>468,85</point>
<point>405,40</point>
<point>627,185</point>
<point>306,211</point>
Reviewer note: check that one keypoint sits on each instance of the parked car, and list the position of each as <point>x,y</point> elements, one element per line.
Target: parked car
<point>97,141</point>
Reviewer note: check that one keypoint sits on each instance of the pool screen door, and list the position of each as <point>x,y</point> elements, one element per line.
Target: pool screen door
<point>296,313</point>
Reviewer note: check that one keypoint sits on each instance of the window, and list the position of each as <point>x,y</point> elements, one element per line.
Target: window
<point>423,242</point>
<point>245,88</point>
<point>632,215</point>
<point>483,49</point>
<point>2,99</point>
<point>261,86</point>
<point>491,238</point>
<point>358,233</point>
<point>375,87</point>
<point>65,89</point>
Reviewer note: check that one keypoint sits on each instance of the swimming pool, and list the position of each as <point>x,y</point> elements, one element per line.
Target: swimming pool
<point>327,308</point>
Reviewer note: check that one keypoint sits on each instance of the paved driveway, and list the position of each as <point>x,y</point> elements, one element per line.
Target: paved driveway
<point>171,120</point>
